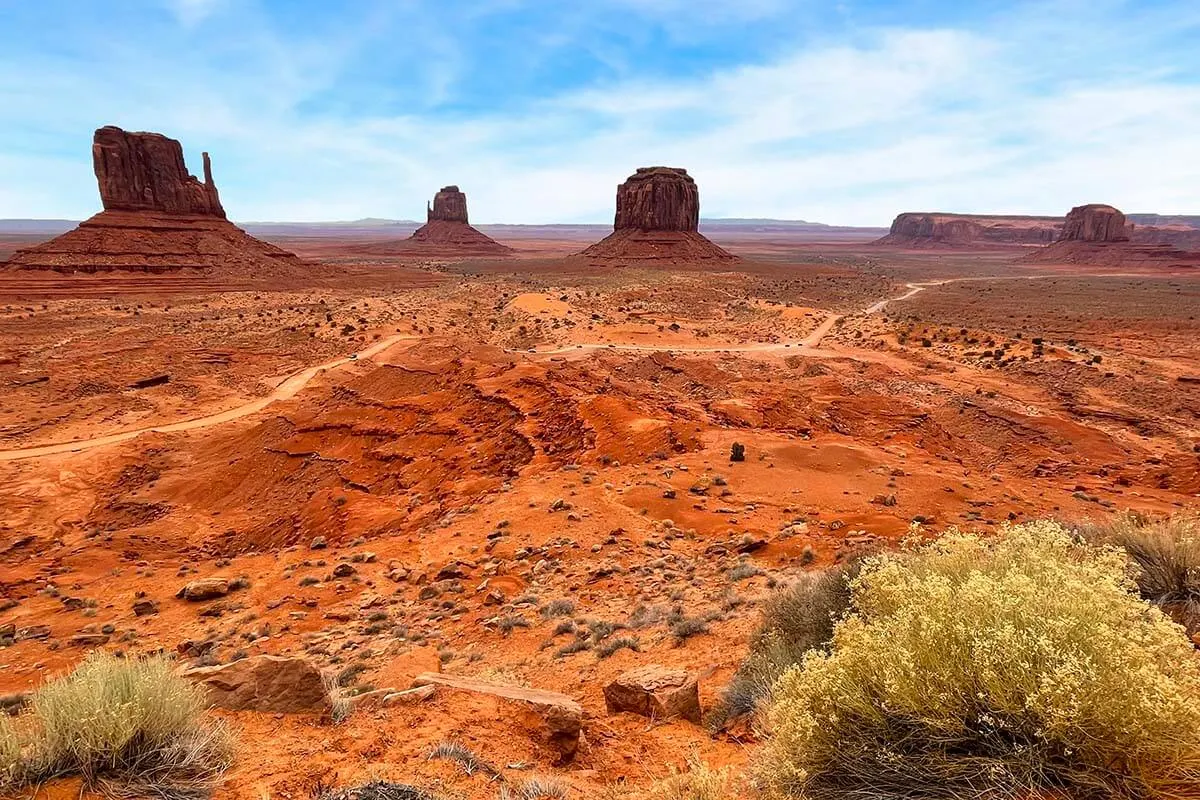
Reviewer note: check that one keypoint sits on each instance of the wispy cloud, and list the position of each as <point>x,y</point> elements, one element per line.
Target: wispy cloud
<point>779,108</point>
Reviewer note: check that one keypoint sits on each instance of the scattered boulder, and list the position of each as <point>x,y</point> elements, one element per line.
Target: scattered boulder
<point>561,716</point>
<point>275,684</point>
<point>144,607</point>
<point>204,589</point>
<point>655,691</point>
<point>88,639</point>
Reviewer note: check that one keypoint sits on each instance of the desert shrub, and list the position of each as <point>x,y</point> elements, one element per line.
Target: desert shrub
<point>535,788</point>
<point>699,782</point>
<point>374,790</point>
<point>465,757</point>
<point>795,619</point>
<point>1020,665</point>
<point>124,724</point>
<point>558,608</point>
<point>11,766</point>
<point>620,643</point>
<point>1166,555</point>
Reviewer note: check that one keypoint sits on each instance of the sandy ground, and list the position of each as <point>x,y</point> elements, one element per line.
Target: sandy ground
<point>547,432</point>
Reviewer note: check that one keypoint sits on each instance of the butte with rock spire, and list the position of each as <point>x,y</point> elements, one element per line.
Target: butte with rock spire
<point>447,232</point>
<point>657,221</point>
<point>157,218</point>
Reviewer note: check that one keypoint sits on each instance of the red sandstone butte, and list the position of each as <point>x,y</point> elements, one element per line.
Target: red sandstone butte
<point>445,234</point>
<point>157,218</point>
<point>658,214</point>
<point>1099,235</point>
<point>1094,223</point>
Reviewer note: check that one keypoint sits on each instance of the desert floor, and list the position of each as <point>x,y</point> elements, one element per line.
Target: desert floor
<point>477,439</point>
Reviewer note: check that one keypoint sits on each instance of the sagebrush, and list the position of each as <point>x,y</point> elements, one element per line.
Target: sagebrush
<point>1020,665</point>
<point>130,726</point>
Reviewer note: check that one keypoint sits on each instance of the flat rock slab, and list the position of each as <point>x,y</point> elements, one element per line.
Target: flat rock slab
<point>562,716</point>
<point>204,589</point>
<point>656,692</point>
<point>273,684</point>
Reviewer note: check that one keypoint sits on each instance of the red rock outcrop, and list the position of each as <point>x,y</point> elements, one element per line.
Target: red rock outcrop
<point>445,234</point>
<point>1099,235</point>
<point>658,213</point>
<point>658,199</point>
<point>449,204</point>
<point>146,172</point>
<point>157,218</point>
<point>1095,223</point>
<point>920,230</point>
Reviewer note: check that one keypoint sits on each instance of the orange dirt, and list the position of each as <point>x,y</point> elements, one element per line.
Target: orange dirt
<point>534,429</point>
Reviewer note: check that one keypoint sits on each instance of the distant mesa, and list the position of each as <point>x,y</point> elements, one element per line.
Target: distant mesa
<point>446,233</point>
<point>156,218</point>
<point>933,229</point>
<point>1100,235</point>
<point>658,214</point>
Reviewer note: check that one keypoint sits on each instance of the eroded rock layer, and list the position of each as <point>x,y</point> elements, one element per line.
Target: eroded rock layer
<point>917,229</point>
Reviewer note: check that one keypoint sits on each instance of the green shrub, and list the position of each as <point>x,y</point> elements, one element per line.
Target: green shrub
<point>1166,554</point>
<point>1020,665</point>
<point>130,723</point>
<point>797,618</point>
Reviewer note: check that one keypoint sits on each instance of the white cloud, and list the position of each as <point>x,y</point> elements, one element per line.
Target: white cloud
<point>192,12</point>
<point>850,131</point>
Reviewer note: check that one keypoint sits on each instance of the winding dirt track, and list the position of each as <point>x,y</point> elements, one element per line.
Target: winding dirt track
<point>287,389</point>
<point>294,383</point>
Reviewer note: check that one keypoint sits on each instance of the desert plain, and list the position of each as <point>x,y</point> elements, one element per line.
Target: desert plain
<point>408,465</point>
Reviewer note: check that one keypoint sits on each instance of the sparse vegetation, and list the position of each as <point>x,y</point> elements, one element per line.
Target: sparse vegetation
<point>558,608</point>
<point>374,790</point>
<point>698,782</point>
<point>127,726</point>
<point>620,643</point>
<point>1166,554</point>
<point>465,757</point>
<point>796,619</point>
<point>1012,666</point>
<point>535,788</point>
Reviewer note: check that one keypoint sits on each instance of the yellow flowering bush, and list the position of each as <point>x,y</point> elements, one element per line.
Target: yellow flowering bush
<point>1016,665</point>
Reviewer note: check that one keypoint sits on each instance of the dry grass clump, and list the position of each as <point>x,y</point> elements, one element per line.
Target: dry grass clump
<point>374,790</point>
<point>1166,555</point>
<point>1021,665</point>
<point>126,726</point>
<point>796,619</point>
<point>699,782</point>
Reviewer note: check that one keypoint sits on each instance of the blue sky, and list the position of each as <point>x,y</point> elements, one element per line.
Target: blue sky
<point>841,112</point>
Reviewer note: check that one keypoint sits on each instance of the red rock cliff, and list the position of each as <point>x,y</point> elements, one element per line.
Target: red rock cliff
<point>146,172</point>
<point>658,199</point>
<point>449,205</point>
<point>1095,223</point>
